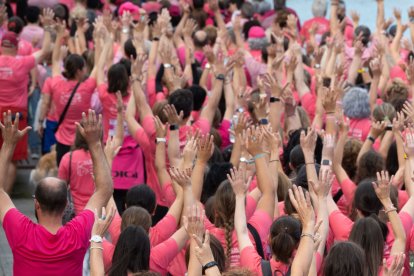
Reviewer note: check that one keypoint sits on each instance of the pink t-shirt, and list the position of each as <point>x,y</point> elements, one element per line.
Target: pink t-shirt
<point>223,130</point>
<point>14,79</point>
<point>80,180</point>
<point>33,33</point>
<point>25,48</point>
<point>47,89</point>
<point>341,227</point>
<point>163,230</point>
<point>359,128</point>
<point>160,257</point>
<point>81,102</point>
<point>323,27</point>
<point>250,259</point>
<point>38,252</point>
<point>260,220</point>
<point>109,111</point>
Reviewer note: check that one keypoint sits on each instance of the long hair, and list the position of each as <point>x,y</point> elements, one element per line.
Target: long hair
<point>132,252</point>
<point>368,234</point>
<point>344,259</point>
<point>224,206</point>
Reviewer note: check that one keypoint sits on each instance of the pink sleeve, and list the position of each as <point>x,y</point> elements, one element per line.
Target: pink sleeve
<point>163,230</point>
<point>29,62</point>
<point>151,93</point>
<point>223,130</point>
<point>149,126</point>
<point>115,228</point>
<point>102,91</point>
<point>203,125</point>
<point>251,260</point>
<point>262,222</point>
<point>411,237</point>
<point>309,104</point>
<point>47,86</point>
<point>82,225</point>
<point>169,193</point>
<point>402,198</point>
<point>142,138</point>
<point>181,55</point>
<point>162,255</point>
<point>341,225</point>
<point>14,224</point>
<point>63,172</point>
<point>108,253</point>
<point>251,205</point>
<point>348,187</point>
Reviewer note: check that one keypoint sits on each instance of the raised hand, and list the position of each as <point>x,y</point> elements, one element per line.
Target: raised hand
<point>160,128</point>
<point>398,122</point>
<point>190,149</point>
<point>329,98</point>
<point>194,221</point>
<point>10,130</point>
<point>261,107</point>
<point>323,186</point>
<point>102,223</point>
<point>273,139</point>
<point>408,110</point>
<point>181,177</point>
<point>377,128</point>
<point>383,185</point>
<point>111,149</point>
<point>205,146</point>
<point>396,268</point>
<point>137,65</point>
<point>237,178</point>
<point>302,203</point>
<point>171,113</point>
<point>47,17</point>
<point>90,127</point>
<point>409,143</point>
<point>203,250</point>
<point>308,141</point>
<point>254,141</point>
<point>375,66</point>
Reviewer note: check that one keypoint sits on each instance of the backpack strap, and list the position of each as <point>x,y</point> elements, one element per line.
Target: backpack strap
<point>65,110</point>
<point>257,240</point>
<point>289,271</point>
<point>266,268</point>
<point>338,195</point>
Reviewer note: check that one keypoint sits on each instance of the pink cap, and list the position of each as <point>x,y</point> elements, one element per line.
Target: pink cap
<point>174,10</point>
<point>150,7</point>
<point>256,32</point>
<point>9,40</point>
<point>130,7</point>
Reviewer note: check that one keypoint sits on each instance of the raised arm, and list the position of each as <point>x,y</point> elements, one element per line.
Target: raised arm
<point>91,130</point>
<point>382,188</point>
<point>47,20</point>
<point>377,128</point>
<point>303,258</point>
<point>204,151</point>
<point>137,77</point>
<point>11,136</point>
<point>56,54</point>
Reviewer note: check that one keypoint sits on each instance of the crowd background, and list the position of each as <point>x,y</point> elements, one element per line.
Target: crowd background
<point>208,137</point>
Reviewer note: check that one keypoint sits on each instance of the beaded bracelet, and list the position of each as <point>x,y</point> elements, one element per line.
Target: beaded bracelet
<point>308,235</point>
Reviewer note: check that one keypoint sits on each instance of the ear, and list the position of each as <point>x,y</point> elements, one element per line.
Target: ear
<point>37,205</point>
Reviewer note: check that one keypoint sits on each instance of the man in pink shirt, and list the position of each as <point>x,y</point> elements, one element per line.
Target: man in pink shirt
<point>319,8</point>
<point>49,248</point>
<point>14,79</point>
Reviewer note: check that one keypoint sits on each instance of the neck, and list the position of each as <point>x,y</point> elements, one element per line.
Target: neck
<point>51,223</point>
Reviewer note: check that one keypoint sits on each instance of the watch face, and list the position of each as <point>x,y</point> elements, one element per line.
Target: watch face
<point>243,159</point>
<point>326,162</point>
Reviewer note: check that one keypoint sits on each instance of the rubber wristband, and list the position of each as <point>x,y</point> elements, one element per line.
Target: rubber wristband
<point>260,155</point>
<point>209,265</point>
<point>174,127</point>
<point>372,139</point>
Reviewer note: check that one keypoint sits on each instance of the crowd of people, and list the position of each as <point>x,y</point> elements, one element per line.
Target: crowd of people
<point>207,137</point>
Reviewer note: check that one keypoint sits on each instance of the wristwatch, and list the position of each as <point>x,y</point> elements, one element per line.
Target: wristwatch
<point>263,121</point>
<point>326,162</point>
<point>160,140</point>
<point>174,127</point>
<point>96,238</point>
<point>167,65</point>
<point>274,99</point>
<point>208,66</point>
<point>221,77</point>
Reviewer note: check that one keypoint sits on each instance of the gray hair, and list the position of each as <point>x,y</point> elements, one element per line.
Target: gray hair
<point>356,103</point>
<point>257,43</point>
<point>319,8</point>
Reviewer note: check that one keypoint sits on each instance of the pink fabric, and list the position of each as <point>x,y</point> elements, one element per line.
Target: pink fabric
<point>146,140</point>
<point>323,27</point>
<point>163,230</point>
<point>25,48</point>
<point>33,34</point>
<point>45,3</point>
<point>81,102</point>
<point>260,221</point>
<point>160,257</point>
<point>359,128</point>
<point>252,261</point>
<point>308,101</point>
<point>39,252</point>
<point>223,130</point>
<point>47,89</point>
<point>343,203</point>
<point>80,180</point>
<point>14,79</point>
